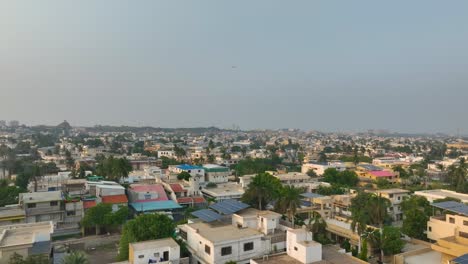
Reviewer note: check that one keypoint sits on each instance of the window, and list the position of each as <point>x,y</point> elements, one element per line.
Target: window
<point>226,251</point>
<point>166,256</point>
<point>399,197</point>
<point>452,220</point>
<point>54,203</point>
<point>248,246</point>
<point>465,222</point>
<point>295,248</point>
<point>390,195</point>
<point>32,205</point>
<point>207,250</point>
<point>141,256</point>
<point>70,213</point>
<point>463,234</point>
<point>429,228</point>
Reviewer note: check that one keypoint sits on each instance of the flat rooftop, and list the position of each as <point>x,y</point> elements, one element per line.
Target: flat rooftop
<point>441,193</point>
<point>252,212</point>
<point>37,197</point>
<point>23,234</point>
<point>220,232</point>
<point>225,189</point>
<point>151,244</point>
<point>394,190</point>
<point>330,255</point>
<point>6,212</point>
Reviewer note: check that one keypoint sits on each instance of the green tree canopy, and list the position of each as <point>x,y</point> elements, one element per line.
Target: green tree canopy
<point>262,189</point>
<point>416,212</point>
<point>76,257</point>
<point>142,228</point>
<point>184,176</point>
<point>345,178</point>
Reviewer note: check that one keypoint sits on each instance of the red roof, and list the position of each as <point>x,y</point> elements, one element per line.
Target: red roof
<point>189,200</point>
<point>115,199</point>
<point>150,188</point>
<point>89,204</point>
<point>177,188</point>
<point>381,173</point>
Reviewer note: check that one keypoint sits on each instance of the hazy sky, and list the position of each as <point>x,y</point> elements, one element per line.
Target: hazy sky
<point>326,65</point>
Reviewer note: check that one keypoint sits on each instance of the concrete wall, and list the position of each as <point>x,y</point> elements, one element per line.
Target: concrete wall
<point>143,256</point>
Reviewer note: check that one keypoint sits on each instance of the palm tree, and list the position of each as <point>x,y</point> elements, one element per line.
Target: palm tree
<point>76,257</point>
<point>263,187</point>
<point>289,201</point>
<point>317,225</point>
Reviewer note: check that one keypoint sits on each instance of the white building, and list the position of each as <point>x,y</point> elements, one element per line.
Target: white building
<point>158,251</point>
<point>320,168</point>
<point>224,191</point>
<point>166,153</point>
<point>432,195</point>
<point>215,173</point>
<point>301,247</point>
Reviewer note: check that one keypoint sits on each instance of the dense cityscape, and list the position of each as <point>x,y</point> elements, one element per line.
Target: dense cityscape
<point>105,194</point>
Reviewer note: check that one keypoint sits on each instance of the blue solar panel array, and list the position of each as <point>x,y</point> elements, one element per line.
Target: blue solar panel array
<point>229,206</point>
<point>461,260</point>
<point>311,195</point>
<point>453,206</point>
<point>207,215</point>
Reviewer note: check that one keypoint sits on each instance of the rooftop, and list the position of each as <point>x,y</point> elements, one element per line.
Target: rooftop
<point>37,197</point>
<point>292,176</point>
<point>154,206</point>
<point>441,193</point>
<point>225,189</point>
<point>189,167</point>
<point>221,233</point>
<point>115,199</point>
<point>381,173</point>
<point>393,191</point>
<point>23,234</point>
<point>153,244</point>
<point>252,212</point>
<point>8,212</point>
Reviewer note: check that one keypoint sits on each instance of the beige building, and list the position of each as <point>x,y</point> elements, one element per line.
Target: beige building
<point>432,195</point>
<point>25,240</point>
<point>450,230</point>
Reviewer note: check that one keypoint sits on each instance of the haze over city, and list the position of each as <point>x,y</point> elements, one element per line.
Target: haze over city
<point>325,65</point>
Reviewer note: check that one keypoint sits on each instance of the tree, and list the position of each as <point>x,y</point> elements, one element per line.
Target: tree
<point>261,190</point>
<point>332,190</point>
<point>114,168</point>
<point>383,183</point>
<point>344,178</point>
<point>386,239</point>
<point>317,226</point>
<point>416,212</point>
<point>458,175</point>
<point>142,228</point>
<point>403,173</point>
<point>368,209</point>
<point>311,173</point>
<point>76,257</point>
<point>184,176</point>
<point>9,194</point>
<point>97,216</point>
<point>289,200</point>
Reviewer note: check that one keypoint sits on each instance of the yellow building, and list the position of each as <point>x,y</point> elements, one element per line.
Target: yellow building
<point>450,231</point>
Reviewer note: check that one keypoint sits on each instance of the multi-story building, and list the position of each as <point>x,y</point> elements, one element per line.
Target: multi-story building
<point>449,230</point>
<point>395,196</point>
<point>43,206</point>
<point>12,214</point>
<point>216,173</point>
<point>320,168</point>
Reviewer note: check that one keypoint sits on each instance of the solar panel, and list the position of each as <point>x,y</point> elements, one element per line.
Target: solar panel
<point>453,206</point>
<point>311,195</point>
<point>207,215</point>
<point>229,206</point>
<point>460,260</point>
